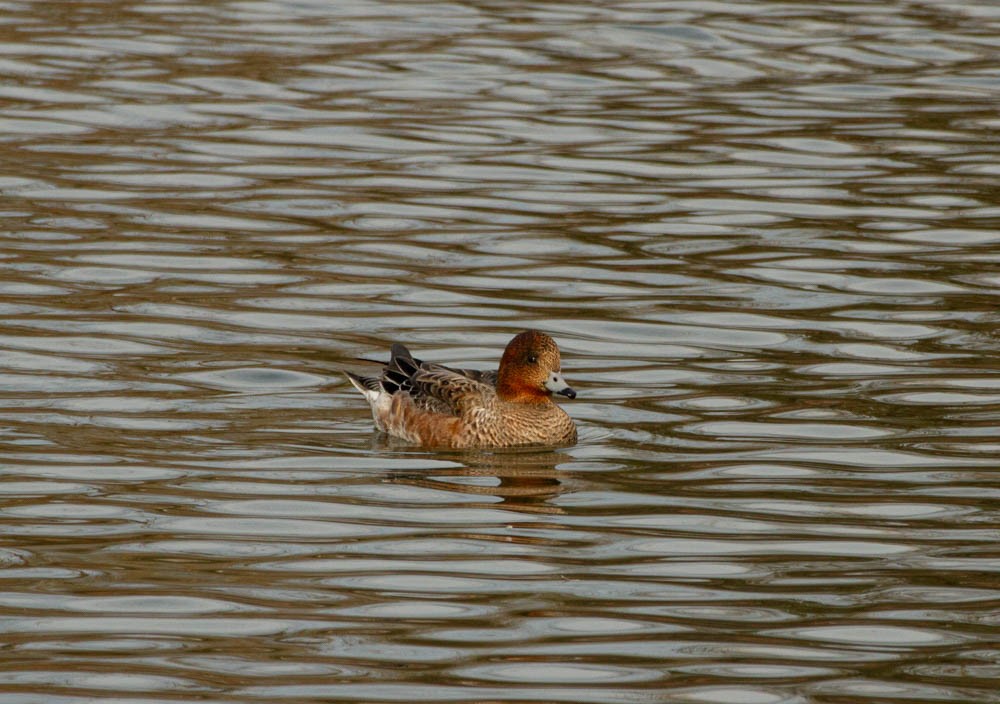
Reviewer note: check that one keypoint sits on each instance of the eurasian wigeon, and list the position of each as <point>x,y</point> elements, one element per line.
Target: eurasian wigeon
<point>437,406</point>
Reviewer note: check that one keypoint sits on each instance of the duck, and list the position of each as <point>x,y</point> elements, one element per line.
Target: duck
<point>436,406</point>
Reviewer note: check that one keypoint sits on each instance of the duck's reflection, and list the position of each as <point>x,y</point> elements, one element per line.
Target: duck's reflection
<point>523,480</point>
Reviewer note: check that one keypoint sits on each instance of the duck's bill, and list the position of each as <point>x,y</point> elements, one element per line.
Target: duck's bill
<point>557,385</point>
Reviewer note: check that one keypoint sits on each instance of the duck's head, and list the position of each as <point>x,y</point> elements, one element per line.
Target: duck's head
<point>531,370</point>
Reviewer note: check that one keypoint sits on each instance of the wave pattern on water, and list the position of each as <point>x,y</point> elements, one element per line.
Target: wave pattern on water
<point>761,232</point>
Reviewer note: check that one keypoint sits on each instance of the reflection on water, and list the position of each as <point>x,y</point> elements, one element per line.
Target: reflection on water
<point>761,233</point>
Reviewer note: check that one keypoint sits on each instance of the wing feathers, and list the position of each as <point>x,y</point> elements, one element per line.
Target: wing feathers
<point>433,387</point>
<point>457,391</point>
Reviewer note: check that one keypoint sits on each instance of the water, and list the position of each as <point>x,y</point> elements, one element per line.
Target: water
<point>764,235</point>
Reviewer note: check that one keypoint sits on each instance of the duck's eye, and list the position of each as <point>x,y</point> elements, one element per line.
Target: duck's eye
<point>532,359</point>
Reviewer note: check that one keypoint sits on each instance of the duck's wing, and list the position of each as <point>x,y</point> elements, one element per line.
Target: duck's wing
<point>457,392</point>
<point>435,387</point>
<point>398,372</point>
<point>487,377</point>
<point>402,364</point>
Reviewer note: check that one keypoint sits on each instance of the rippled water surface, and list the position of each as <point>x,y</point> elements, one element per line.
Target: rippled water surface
<point>765,235</point>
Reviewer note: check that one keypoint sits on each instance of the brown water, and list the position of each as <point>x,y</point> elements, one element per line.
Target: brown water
<point>764,234</point>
